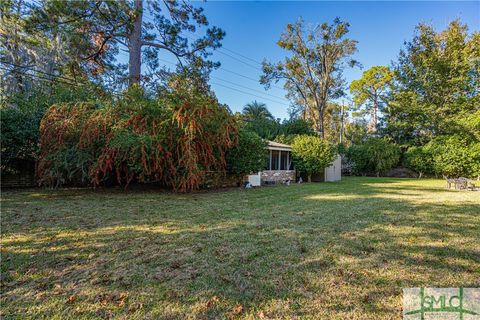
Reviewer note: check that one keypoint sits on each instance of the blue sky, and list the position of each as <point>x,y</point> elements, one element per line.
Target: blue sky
<point>253,29</point>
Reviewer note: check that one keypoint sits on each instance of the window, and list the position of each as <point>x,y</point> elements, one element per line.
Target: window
<point>284,160</point>
<point>275,164</point>
<point>279,160</point>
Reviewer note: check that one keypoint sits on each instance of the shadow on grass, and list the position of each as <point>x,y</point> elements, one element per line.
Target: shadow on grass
<point>313,249</point>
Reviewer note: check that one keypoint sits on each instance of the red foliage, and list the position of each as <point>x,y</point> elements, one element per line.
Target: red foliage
<point>172,140</point>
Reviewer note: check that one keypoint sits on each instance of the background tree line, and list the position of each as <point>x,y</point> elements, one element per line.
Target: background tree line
<point>58,57</point>
<point>423,111</point>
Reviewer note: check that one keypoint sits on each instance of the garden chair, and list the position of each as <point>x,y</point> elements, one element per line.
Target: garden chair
<point>471,185</point>
<point>461,183</point>
<point>450,182</point>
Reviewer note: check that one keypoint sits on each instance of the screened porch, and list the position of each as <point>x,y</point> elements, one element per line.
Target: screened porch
<point>279,160</point>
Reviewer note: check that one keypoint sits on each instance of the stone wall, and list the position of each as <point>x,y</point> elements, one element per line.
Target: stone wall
<point>277,176</point>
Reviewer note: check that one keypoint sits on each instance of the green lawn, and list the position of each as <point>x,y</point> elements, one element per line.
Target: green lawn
<point>327,250</point>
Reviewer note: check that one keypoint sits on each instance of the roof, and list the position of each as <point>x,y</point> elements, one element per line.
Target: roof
<point>278,146</point>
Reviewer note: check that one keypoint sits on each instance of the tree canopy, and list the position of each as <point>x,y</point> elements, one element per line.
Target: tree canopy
<point>437,85</point>
<point>256,110</point>
<point>60,61</point>
<point>372,90</point>
<point>78,39</point>
<point>313,70</point>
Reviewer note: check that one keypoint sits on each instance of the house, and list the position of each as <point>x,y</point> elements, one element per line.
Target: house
<point>280,168</point>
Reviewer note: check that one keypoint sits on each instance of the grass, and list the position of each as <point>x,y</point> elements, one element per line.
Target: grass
<point>328,250</point>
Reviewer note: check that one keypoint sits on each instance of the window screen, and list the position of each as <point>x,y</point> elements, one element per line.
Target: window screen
<point>284,160</point>
<point>275,162</point>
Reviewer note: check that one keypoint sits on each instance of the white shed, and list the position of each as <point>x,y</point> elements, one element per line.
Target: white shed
<point>334,172</point>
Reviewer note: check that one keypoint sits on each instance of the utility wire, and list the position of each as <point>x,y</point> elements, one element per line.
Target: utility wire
<point>55,77</point>
<point>148,19</point>
<point>39,77</point>
<point>279,99</point>
<point>219,84</point>
<point>246,77</point>
<point>241,55</point>
<point>67,80</point>
<point>54,80</point>
<point>241,61</point>
<point>232,57</point>
<point>245,63</point>
<point>39,71</point>
<point>239,85</point>
<point>219,50</point>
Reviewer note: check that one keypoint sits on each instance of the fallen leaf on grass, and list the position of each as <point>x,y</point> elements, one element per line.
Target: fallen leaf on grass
<point>212,302</point>
<point>134,307</point>
<point>237,310</point>
<point>71,299</point>
<point>114,298</point>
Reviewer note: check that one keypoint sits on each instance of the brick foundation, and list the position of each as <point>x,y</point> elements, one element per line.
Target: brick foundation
<point>277,176</point>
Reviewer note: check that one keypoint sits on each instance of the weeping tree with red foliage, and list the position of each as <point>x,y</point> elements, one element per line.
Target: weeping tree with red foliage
<point>173,139</point>
<point>203,130</point>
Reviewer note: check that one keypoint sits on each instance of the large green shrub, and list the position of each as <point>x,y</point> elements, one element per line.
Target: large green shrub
<point>296,127</point>
<point>374,156</point>
<point>475,165</point>
<point>264,127</point>
<point>20,117</point>
<point>248,156</point>
<point>312,154</point>
<point>420,160</point>
<point>358,159</point>
<point>452,156</point>
<point>19,135</point>
<point>455,156</point>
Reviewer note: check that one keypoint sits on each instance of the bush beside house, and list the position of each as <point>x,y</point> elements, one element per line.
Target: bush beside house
<point>249,155</point>
<point>311,154</point>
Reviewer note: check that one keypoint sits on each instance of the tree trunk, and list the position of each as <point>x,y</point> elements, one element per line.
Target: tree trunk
<point>135,46</point>
<point>321,115</point>
<point>342,125</point>
<point>17,71</point>
<point>309,177</point>
<point>375,113</point>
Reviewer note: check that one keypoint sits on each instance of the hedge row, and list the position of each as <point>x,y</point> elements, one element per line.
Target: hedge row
<point>452,156</point>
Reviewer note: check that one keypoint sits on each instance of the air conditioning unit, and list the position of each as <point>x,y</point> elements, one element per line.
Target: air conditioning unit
<point>254,179</point>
